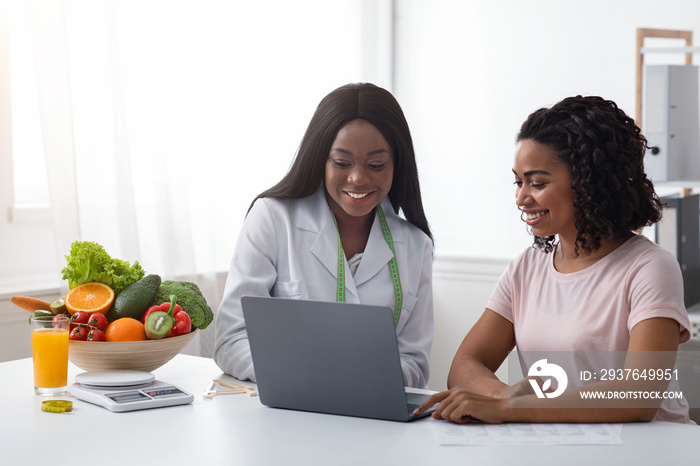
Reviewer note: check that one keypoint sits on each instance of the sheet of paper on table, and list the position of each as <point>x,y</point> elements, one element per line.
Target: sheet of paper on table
<point>448,433</point>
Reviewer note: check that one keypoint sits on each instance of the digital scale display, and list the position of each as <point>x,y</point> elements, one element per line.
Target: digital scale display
<point>127,397</point>
<point>121,391</point>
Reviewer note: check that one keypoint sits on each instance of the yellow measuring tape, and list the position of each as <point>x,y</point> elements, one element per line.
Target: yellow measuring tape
<point>57,406</point>
<point>393,268</point>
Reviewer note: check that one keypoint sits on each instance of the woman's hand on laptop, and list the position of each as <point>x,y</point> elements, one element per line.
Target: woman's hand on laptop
<point>461,407</point>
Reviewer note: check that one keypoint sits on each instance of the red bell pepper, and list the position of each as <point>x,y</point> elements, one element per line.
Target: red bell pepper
<point>183,323</point>
<point>162,307</point>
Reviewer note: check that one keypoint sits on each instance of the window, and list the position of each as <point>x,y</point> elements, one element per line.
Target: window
<point>175,114</point>
<point>29,167</point>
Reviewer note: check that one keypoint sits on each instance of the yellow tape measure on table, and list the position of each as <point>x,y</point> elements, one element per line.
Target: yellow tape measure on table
<point>57,406</point>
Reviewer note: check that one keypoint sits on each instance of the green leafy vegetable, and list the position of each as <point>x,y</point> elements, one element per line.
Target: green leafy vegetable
<point>89,262</point>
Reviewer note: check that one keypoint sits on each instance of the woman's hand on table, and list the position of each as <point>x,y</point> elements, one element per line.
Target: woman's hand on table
<point>461,407</point>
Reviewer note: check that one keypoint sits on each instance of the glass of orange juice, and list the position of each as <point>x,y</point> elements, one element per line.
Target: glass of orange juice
<point>50,354</point>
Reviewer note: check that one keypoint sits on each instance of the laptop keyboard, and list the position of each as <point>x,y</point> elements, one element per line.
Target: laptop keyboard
<point>412,407</point>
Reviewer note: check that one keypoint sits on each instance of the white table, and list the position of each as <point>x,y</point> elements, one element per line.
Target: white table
<point>237,429</point>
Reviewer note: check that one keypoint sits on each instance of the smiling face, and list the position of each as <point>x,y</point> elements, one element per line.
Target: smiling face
<point>544,191</point>
<point>359,170</point>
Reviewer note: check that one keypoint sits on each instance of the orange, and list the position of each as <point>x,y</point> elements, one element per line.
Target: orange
<point>90,297</point>
<point>125,329</point>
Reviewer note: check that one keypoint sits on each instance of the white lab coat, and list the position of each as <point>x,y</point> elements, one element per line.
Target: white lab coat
<point>289,248</point>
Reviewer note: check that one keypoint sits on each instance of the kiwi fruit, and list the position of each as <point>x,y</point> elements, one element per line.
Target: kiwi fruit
<point>158,325</point>
<point>58,306</point>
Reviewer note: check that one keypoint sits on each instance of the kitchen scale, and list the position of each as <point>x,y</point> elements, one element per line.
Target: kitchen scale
<point>121,390</point>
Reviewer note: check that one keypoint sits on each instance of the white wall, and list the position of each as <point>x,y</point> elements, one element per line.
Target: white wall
<point>468,73</point>
<point>461,287</point>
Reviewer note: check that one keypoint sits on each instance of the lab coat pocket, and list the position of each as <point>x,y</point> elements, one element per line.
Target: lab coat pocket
<point>287,289</point>
<point>409,303</point>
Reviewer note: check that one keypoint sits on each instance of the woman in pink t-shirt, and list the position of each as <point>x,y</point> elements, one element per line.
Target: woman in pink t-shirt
<point>589,290</point>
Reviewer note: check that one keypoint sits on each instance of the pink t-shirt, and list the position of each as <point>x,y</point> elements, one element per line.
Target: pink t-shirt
<point>593,309</point>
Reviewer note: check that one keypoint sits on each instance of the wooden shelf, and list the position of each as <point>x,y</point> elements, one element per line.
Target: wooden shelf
<point>645,50</point>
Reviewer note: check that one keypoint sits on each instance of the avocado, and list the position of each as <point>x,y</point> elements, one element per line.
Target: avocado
<point>40,313</point>
<point>135,299</point>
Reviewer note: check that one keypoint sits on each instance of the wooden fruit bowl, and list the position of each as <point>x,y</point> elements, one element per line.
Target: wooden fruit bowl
<point>146,355</point>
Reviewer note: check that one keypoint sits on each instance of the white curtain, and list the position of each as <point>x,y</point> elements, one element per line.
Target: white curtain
<point>162,120</point>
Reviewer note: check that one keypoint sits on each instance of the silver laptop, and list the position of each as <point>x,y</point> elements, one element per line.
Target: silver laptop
<point>328,357</point>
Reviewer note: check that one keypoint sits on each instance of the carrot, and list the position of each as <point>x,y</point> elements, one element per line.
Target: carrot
<point>31,304</point>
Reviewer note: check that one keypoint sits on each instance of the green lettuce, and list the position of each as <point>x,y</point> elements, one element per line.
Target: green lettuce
<point>89,262</point>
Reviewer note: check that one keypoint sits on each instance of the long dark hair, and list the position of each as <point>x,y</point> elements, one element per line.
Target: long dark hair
<point>347,103</point>
<point>604,150</point>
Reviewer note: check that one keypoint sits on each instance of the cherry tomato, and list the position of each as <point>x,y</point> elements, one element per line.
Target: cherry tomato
<point>98,320</point>
<point>56,320</point>
<point>79,333</point>
<point>96,335</point>
<point>79,317</point>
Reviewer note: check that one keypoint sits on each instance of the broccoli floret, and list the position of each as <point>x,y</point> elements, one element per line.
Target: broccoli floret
<point>190,298</point>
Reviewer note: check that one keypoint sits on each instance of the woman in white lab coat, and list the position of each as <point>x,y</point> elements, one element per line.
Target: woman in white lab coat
<point>337,209</point>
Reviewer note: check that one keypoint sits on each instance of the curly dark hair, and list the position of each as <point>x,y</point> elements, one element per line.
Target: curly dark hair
<point>604,150</point>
